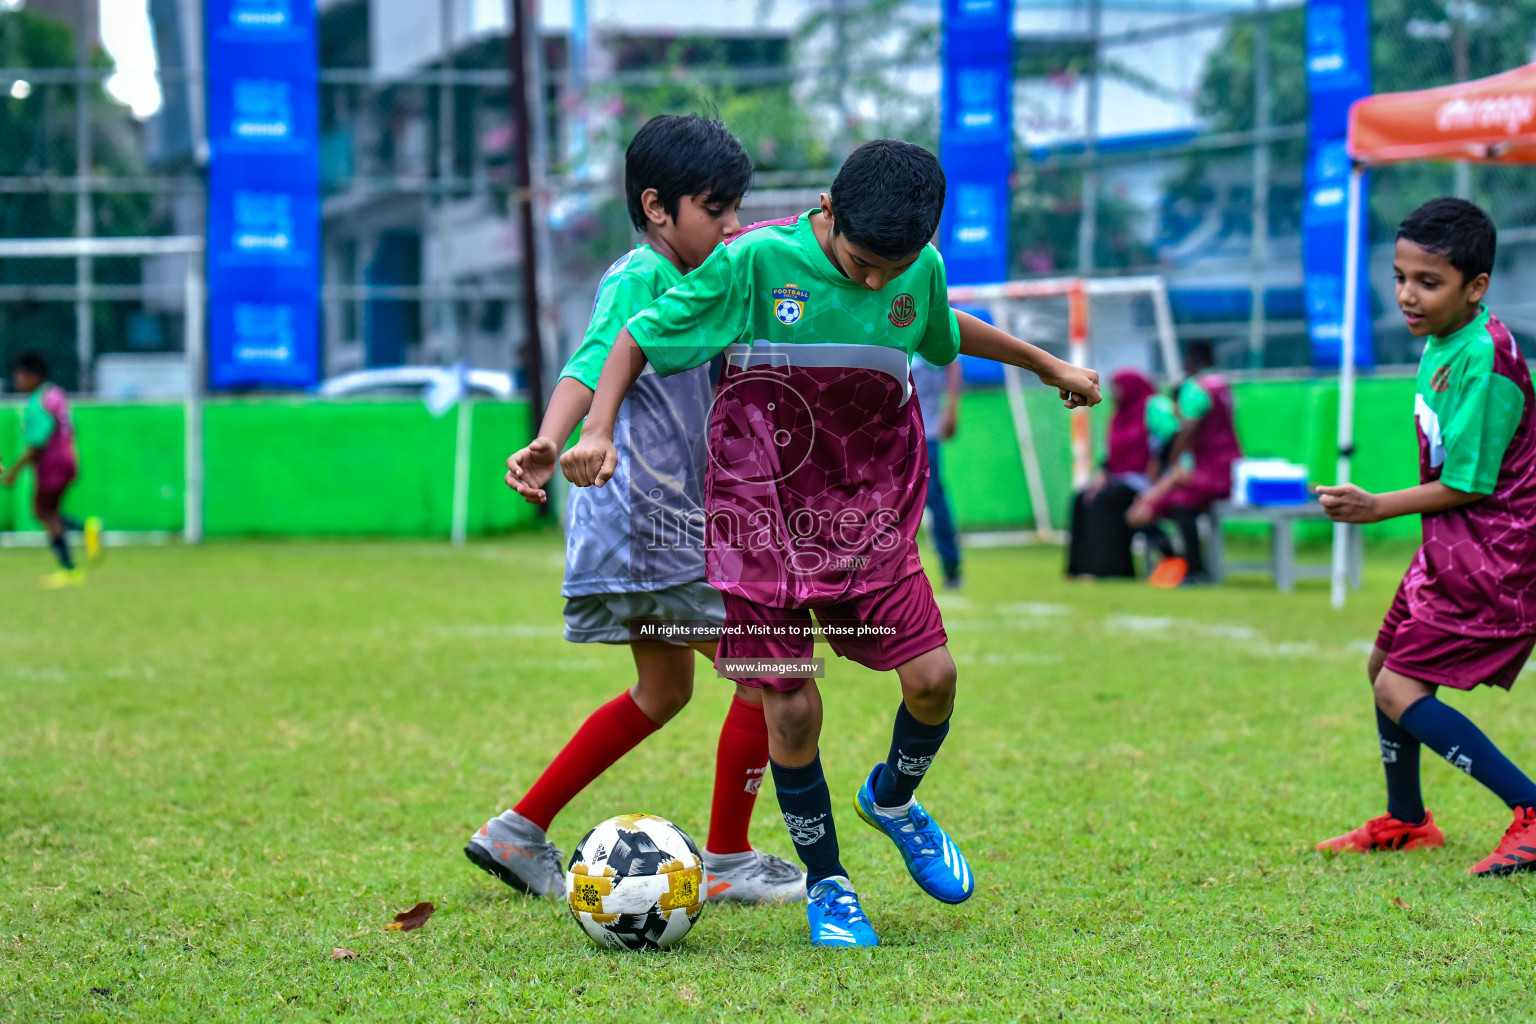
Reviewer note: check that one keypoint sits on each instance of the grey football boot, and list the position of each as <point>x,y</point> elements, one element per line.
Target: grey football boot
<point>752,877</point>
<point>518,852</point>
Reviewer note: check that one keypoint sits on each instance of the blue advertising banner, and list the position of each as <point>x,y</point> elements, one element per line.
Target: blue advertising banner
<point>1338,73</point>
<point>976,140</point>
<point>263,194</point>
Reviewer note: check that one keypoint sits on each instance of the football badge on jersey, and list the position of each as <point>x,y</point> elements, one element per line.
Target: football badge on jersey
<point>789,304</point>
<point>903,310</point>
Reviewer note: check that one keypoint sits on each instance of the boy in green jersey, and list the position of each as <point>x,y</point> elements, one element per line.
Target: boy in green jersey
<point>818,470</point>
<point>1465,614</point>
<point>48,433</point>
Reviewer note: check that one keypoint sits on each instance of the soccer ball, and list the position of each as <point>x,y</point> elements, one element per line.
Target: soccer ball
<point>636,882</point>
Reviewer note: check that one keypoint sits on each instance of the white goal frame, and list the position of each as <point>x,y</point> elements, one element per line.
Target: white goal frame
<point>1079,293</point>
<point>196,299</point>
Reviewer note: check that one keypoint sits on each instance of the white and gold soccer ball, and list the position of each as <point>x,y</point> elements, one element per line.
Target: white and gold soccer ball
<point>636,882</point>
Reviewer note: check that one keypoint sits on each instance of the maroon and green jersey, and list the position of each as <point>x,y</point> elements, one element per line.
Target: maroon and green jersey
<point>817,463</point>
<point>1475,574</point>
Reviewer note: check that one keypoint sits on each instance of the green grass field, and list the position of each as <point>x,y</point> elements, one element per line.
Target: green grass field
<point>216,765</point>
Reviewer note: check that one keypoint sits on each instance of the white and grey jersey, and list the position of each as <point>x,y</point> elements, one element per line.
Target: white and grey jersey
<point>644,530</point>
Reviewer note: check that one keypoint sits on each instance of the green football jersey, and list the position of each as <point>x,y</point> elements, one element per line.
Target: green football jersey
<point>774,285</point>
<point>37,422</point>
<point>818,466</point>
<point>630,285</point>
<point>1475,573</point>
<point>1467,411</point>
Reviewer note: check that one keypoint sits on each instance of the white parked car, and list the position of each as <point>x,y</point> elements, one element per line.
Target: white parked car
<point>419,381</point>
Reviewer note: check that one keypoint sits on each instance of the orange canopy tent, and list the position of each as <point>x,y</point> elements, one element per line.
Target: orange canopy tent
<point>1491,120</point>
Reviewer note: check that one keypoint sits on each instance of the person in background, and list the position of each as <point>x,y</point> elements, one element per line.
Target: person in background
<point>938,392</point>
<point>1189,486</point>
<point>1138,432</point>
<point>1163,426</point>
<point>49,436</point>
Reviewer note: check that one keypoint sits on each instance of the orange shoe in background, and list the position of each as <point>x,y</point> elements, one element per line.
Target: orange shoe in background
<point>1170,572</point>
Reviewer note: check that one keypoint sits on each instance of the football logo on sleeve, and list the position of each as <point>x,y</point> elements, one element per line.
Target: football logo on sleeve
<point>903,310</point>
<point>789,304</point>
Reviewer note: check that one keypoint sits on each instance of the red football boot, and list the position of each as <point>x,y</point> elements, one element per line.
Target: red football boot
<point>1387,833</point>
<point>1516,851</point>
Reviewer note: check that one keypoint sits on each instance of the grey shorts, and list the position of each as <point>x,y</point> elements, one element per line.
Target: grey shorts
<point>604,618</point>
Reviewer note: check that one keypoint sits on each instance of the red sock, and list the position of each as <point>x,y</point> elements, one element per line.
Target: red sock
<point>740,761</point>
<point>611,731</point>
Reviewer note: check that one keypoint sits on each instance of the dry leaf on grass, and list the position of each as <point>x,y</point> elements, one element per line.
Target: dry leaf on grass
<point>410,920</point>
<point>1400,903</point>
<point>342,954</point>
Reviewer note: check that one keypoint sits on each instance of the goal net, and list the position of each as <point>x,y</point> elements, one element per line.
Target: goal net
<point>1105,323</point>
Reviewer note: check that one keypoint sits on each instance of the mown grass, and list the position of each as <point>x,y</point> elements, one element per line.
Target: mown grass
<point>218,765</point>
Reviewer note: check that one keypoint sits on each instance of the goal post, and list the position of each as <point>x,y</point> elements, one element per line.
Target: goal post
<point>195,298</point>
<point>1077,297</point>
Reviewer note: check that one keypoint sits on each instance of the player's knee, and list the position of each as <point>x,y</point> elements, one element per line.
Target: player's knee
<point>661,698</point>
<point>931,686</point>
<point>1393,697</point>
<point>796,720</point>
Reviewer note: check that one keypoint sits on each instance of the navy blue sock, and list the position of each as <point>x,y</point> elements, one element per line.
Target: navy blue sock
<point>1400,757</point>
<point>61,551</point>
<point>913,747</point>
<point>1452,735</point>
<point>807,807</point>
<point>72,524</point>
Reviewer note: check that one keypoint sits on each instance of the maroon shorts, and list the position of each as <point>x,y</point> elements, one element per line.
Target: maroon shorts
<point>1420,651</point>
<point>907,607</point>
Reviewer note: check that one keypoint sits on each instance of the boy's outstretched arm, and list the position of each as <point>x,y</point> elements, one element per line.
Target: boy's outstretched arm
<point>529,468</point>
<point>593,459</point>
<point>1078,385</point>
<point>27,458</point>
<point>1351,504</point>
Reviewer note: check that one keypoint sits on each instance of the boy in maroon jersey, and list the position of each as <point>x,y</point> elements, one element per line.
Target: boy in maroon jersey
<point>817,474</point>
<point>49,435</point>
<point>1465,614</point>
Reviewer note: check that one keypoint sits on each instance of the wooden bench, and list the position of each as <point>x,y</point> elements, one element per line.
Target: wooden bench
<point>1281,565</point>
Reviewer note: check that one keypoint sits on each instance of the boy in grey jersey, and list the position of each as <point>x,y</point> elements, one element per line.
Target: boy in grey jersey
<point>636,550</point>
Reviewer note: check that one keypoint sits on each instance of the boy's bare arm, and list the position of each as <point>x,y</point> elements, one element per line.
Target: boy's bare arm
<point>593,459</point>
<point>1077,385</point>
<point>1351,504</point>
<point>949,421</point>
<point>529,469</point>
<point>27,458</point>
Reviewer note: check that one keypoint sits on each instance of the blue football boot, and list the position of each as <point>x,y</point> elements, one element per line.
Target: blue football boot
<point>836,917</point>
<point>934,861</point>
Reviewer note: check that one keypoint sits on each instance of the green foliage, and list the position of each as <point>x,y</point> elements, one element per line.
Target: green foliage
<point>1044,218</point>
<point>222,763</point>
<point>37,139</point>
<point>884,39</point>
<point>1411,48</point>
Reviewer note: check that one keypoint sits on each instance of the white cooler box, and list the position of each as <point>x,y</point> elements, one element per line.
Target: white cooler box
<point>1261,482</point>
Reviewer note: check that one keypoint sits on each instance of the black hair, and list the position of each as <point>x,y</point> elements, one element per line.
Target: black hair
<point>1456,229</point>
<point>1200,355</point>
<point>31,361</point>
<point>681,156</point>
<point>888,197</point>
